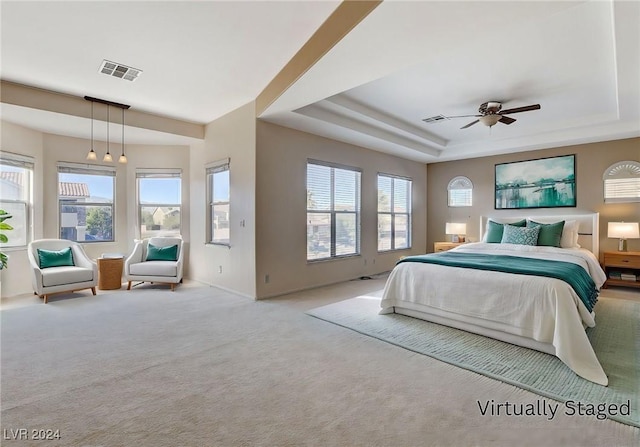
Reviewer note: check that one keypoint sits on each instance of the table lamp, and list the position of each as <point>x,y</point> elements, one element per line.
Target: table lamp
<point>457,230</point>
<point>623,231</point>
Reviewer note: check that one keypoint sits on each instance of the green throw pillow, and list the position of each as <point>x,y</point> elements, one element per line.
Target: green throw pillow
<point>494,230</point>
<point>520,235</point>
<point>169,253</point>
<point>55,258</point>
<point>550,234</point>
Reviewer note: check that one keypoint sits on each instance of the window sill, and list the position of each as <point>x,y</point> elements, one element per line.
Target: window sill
<point>218,244</point>
<point>394,250</point>
<point>334,258</point>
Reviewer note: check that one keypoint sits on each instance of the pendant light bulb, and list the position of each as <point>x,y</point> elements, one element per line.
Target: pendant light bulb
<point>123,158</point>
<point>107,156</point>
<point>92,154</point>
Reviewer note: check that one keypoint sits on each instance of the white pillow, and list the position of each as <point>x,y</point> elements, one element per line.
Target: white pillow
<point>569,237</point>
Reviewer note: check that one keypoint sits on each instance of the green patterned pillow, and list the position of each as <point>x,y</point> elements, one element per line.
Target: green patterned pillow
<point>494,230</point>
<point>520,235</point>
<point>550,234</point>
<point>55,258</point>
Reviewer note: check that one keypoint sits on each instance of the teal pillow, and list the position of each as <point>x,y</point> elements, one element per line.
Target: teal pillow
<point>169,253</point>
<point>520,235</point>
<point>550,234</point>
<point>55,258</point>
<point>494,230</point>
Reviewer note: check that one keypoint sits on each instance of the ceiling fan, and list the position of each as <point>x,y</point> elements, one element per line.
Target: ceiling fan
<point>491,112</point>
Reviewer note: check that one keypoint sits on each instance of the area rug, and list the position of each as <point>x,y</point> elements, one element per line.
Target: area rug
<point>616,341</point>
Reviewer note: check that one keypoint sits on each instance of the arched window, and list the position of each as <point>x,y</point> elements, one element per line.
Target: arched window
<point>622,182</point>
<point>460,191</point>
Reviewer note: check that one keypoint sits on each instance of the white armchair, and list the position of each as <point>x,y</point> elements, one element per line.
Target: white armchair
<point>138,268</point>
<point>83,274</point>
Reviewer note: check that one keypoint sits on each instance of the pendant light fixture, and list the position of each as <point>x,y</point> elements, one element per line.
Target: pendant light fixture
<point>123,158</point>
<point>92,154</point>
<point>107,156</point>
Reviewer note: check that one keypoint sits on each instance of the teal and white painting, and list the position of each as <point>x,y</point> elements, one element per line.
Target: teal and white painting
<point>541,183</point>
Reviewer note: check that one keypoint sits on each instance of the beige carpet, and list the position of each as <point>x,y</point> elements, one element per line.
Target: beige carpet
<point>202,367</point>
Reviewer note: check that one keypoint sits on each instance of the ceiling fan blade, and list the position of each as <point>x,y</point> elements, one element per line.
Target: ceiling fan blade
<point>470,124</point>
<point>464,116</point>
<point>521,109</point>
<point>506,120</point>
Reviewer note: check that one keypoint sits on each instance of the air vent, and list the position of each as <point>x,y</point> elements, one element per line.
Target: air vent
<point>435,119</point>
<point>119,70</point>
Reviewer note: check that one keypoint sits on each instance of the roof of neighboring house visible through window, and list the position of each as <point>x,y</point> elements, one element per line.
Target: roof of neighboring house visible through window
<point>69,189</point>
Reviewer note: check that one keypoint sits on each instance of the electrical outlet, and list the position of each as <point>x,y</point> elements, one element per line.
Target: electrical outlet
<point>266,279</point>
<point>242,223</point>
<point>219,269</point>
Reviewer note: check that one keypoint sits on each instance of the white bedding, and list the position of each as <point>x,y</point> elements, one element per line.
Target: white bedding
<point>543,309</point>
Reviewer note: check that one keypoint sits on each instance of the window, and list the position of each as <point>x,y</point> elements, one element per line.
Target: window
<point>333,211</point>
<point>159,202</point>
<point>85,202</point>
<point>218,202</point>
<point>394,212</point>
<point>16,174</point>
<point>622,182</point>
<point>460,191</point>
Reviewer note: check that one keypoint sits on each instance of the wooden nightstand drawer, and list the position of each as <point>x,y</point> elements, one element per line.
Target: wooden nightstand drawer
<point>621,259</point>
<point>444,246</point>
<point>622,268</point>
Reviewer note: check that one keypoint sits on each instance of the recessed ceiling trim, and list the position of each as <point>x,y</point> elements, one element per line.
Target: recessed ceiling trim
<point>330,116</point>
<point>388,120</point>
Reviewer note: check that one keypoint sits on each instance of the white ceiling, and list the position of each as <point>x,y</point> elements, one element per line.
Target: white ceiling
<point>406,61</point>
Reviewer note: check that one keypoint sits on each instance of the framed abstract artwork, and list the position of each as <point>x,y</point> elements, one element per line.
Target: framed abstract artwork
<point>541,183</point>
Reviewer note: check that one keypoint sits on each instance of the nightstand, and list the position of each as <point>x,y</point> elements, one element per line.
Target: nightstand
<point>621,267</point>
<point>444,246</point>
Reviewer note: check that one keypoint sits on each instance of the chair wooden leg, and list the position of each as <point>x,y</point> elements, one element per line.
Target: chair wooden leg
<point>93,290</point>
<point>173,287</point>
<point>129,286</point>
<point>46,298</point>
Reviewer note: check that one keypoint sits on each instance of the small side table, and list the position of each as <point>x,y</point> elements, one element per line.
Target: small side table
<point>622,268</point>
<point>110,273</point>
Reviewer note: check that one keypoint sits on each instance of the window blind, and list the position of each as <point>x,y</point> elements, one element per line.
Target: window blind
<point>17,160</point>
<point>86,169</point>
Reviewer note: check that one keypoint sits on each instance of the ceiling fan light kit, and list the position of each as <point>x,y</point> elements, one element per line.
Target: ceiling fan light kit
<point>490,120</point>
<point>490,113</point>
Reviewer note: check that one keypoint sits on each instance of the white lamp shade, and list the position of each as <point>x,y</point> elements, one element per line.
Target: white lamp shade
<point>623,230</point>
<point>456,228</point>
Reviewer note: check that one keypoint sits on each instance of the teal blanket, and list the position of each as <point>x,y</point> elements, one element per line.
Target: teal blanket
<point>572,274</point>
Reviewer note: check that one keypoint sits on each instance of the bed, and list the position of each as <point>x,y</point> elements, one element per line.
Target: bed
<point>545,313</point>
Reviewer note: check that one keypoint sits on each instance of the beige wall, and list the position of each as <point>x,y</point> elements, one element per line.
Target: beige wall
<point>16,279</point>
<point>281,210</point>
<point>591,162</point>
<point>232,136</point>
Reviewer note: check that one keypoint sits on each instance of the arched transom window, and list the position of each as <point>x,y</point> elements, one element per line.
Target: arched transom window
<point>460,191</point>
<point>622,182</point>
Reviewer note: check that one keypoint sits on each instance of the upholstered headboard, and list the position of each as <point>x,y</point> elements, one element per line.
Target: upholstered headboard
<point>588,226</point>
